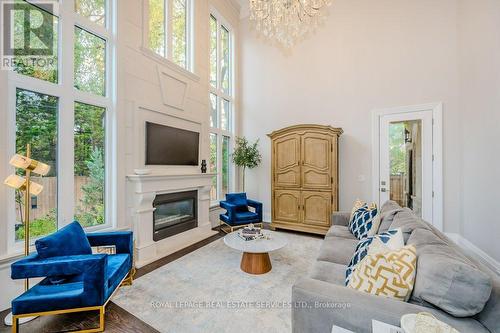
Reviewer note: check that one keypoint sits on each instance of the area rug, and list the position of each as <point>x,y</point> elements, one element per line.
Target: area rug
<point>205,291</point>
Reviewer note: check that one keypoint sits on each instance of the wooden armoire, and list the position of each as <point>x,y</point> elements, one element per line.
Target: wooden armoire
<point>304,177</point>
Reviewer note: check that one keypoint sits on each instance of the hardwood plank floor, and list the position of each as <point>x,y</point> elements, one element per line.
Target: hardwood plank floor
<point>117,319</point>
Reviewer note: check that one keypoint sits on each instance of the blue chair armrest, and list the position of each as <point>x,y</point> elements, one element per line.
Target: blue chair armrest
<point>34,266</point>
<point>91,266</point>
<point>122,240</point>
<point>258,207</point>
<point>230,208</point>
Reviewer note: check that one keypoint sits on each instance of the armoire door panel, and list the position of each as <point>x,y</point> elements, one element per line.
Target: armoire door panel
<point>287,206</point>
<point>316,208</point>
<point>315,179</point>
<point>316,157</point>
<point>287,161</point>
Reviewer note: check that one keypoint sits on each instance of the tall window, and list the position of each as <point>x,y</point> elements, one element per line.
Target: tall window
<point>170,29</point>
<point>36,124</point>
<point>47,106</point>
<point>221,107</point>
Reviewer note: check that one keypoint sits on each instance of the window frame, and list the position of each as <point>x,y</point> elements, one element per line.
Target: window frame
<point>67,96</point>
<point>221,95</point>
<point>168,58</point>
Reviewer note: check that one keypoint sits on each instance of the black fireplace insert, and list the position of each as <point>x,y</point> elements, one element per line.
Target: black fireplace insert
<point>174,213</point>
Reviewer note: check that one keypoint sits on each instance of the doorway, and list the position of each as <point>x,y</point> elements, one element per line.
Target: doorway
<point>407,159</point>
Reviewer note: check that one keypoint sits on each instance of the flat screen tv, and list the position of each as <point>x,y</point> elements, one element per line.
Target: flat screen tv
<point>167,145</point>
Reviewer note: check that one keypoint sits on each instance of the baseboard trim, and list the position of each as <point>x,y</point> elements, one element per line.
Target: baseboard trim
<point>485,258</point>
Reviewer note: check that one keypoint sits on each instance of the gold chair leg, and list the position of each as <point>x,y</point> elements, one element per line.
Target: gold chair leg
<point>102,312</point>
<point>130,277</point>
<point>15,324</point>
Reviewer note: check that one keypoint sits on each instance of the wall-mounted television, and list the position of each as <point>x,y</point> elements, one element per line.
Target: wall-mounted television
<point>167,145</point>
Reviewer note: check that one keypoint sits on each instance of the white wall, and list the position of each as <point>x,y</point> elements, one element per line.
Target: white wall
<point>138,89</point>
<point>368,54</point>
<point>480,106</point>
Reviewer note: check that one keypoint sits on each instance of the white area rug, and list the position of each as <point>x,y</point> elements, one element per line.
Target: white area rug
<point>205,291</point>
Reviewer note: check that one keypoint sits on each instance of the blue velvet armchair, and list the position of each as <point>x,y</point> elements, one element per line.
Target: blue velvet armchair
<point>238,214</point>
<point>75,279</point>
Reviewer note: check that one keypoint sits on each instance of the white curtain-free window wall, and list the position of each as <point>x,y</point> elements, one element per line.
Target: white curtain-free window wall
<point>76,100</point>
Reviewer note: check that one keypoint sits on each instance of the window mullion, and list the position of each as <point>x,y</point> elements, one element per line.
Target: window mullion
<point>168,29</point>
<point>219,166</point>
<point>65,154</point>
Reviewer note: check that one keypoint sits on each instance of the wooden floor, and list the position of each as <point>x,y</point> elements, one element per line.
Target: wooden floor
<point>117,319</point>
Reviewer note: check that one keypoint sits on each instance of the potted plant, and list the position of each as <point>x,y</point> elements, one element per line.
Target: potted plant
<point>246,155</point>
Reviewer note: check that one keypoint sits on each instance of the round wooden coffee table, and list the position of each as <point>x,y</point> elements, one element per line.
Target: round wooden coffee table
<point>255,259</point>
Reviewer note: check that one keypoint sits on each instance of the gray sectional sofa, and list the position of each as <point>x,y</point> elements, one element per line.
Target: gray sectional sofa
<point>453,286</point>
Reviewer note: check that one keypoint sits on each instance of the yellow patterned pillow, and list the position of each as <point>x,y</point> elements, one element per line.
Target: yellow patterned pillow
<point>390,274</point>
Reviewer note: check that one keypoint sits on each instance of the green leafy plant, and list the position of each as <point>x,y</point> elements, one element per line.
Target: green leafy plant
<point>246,155</point>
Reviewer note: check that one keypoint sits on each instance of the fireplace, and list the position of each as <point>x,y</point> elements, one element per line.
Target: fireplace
<point>174,213</point>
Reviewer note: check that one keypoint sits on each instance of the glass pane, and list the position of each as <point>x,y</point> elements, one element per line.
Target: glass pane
<point>36,124</point>
<point>90,62</point>
<point>89,135</point>
<point>225,115</point>
<point>213,111</point>
<point>226,170</point>
<point>213,51</point>
<point>157,26</point>
<point>405,150</point>
<point>37,56</point>
<point>225,66</point>
<point>94,10</point>
<point>213,165</point>
<point>179,32</point>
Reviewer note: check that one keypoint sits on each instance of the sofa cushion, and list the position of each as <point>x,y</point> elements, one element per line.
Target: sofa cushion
<point>359,310</point>
<point>408,221</point>
<point>340,231</point>
<point>68,241</point>
<point>329,272</point>
<point>453,286</point>
<point>446,278</point>
<point>364,222</point>
<point>387,212</point>
<point>337,249</point>
<point>393,239</point>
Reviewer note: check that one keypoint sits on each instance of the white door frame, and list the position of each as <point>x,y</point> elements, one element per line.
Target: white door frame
<point>437,147</point>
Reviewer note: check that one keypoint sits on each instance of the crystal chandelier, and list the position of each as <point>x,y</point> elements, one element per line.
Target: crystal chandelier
<point>286,20</point>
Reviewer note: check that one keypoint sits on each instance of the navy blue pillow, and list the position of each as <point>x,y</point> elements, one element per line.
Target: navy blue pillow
<point>68,241</point>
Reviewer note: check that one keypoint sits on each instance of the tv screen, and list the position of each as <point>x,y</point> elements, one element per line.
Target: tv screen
<point>171,146</point>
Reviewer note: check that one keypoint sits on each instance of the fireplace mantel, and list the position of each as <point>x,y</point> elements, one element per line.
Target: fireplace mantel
<point>142,190</point>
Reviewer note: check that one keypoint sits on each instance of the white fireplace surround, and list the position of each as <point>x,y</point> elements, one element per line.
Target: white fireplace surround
<point>142,190</point>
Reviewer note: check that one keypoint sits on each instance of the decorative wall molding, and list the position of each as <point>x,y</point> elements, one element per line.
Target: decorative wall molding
<point>174,90</point>
<point>485,258</point>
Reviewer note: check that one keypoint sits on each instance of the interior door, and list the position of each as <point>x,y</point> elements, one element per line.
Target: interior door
<point>287,161</point>
<point>316,161</point>
<point>287,206</point>
<point>316,207</point>
<point>406,161</point>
